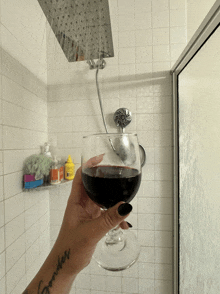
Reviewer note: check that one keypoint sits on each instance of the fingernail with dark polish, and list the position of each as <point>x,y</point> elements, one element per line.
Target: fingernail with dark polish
<point>124,209</point>
<point>130,225</point>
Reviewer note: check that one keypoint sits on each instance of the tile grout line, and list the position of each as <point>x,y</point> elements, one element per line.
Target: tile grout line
<point>25,230</point>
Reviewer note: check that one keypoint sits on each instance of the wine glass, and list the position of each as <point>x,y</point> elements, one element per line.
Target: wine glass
<point>111,172</point>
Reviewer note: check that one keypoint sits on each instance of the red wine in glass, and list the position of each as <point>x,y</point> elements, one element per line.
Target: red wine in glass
<point>107,185</point>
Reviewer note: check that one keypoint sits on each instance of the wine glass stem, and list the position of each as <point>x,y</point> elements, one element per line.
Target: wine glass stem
<point>115,236</point>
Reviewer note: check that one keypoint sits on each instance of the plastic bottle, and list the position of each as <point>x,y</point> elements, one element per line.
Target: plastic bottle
<point>69,169</point>
<point>55,173</point>
<point>61,169</point>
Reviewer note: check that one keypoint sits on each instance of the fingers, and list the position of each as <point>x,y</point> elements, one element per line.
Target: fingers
<point>123,225</point>
<point>78,177</point>
<point>109,220</point>
<point>77,181</point>
<point>78,194</point>
<point>77,190</point>
<point>93,161</point>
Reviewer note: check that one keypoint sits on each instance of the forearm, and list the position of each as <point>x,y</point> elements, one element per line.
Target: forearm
<point>53,277</point>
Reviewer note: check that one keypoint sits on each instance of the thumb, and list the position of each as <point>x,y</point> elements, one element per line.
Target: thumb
<point>109,219</point>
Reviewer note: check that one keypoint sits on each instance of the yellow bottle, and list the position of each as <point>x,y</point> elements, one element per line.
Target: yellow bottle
<point>69,169</point>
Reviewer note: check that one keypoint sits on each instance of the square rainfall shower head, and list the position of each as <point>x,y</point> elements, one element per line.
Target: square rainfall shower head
<point>82,27</point>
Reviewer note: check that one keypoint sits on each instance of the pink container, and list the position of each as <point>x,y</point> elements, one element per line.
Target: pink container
<point>29,178</point>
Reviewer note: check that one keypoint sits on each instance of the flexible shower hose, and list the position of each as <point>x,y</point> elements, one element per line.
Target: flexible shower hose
<point>104,122</point>
<point>100,103</point>
<point>100,100</point>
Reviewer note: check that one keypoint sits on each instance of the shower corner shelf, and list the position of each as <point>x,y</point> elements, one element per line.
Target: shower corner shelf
<point>47,186</point>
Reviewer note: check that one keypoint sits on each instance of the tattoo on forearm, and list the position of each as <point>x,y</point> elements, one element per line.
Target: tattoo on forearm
<point>61,261</point>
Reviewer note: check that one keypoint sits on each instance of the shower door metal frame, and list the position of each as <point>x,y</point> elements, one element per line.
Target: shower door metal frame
<point>205,30</point>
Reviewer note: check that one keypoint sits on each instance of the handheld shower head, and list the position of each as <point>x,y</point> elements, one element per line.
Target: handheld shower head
<point>125,148</point>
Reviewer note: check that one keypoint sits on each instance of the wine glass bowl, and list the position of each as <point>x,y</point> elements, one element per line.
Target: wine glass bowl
<point>111,172</point>
<point>107,185</point>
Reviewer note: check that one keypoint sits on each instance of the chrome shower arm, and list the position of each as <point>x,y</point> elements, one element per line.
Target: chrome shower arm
<point>91,64</point>
<point>100,64</point>
<point>100,100</point>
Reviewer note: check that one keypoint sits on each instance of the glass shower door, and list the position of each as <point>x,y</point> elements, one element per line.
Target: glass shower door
<point>199,170</point>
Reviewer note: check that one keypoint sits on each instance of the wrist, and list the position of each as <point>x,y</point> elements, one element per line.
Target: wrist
<point>62,259</point>
<point>55,275</point>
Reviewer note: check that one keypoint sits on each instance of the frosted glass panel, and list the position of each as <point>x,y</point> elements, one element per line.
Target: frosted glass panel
<point>199,178</point>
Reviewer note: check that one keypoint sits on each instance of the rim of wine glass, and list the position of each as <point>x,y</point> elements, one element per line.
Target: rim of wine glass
<point>110,134</point>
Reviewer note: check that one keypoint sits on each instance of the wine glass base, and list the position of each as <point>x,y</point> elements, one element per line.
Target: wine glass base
<point>117,256</point>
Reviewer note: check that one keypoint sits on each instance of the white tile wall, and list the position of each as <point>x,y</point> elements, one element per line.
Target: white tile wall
<point>15,274</point>
<point>58,201</point>
<point>23,35</point>
<point>24,217</point>
<point>148,37</point>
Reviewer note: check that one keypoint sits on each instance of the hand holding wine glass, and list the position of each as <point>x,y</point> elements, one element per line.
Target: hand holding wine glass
<point>84,224</point>
<point>115,178</point>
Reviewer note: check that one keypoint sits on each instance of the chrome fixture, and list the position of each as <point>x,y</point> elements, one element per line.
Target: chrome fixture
<point>82,27</point>
<point>122,118</point>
